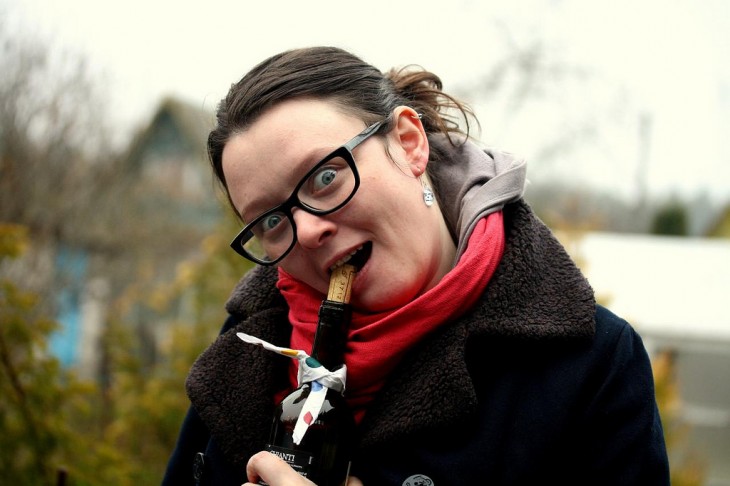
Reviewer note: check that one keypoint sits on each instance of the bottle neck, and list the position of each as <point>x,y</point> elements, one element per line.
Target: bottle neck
<point>331,337</point>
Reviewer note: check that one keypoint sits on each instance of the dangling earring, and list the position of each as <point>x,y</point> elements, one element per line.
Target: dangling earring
<point>428,196</point>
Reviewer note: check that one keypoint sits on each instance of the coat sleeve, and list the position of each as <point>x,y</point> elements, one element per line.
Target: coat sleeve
<point>628,445</point>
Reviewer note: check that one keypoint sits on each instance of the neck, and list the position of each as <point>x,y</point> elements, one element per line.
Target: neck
<point>448,248</point>
<point>447,253</point>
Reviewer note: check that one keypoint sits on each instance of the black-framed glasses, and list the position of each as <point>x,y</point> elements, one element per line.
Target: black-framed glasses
<point>327,187</point>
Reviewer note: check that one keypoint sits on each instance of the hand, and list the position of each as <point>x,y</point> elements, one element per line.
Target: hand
<point>276,472</point>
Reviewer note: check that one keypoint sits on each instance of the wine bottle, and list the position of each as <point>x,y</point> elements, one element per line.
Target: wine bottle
<point>323,453</point>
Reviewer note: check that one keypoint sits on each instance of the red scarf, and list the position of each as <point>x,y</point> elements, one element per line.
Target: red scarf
<point>378,341</point>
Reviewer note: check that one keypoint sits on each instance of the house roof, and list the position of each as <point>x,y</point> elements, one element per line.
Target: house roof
<point>192,123</point>
<point>665,286</point>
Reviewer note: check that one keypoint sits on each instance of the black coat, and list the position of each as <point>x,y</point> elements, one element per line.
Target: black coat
<point>534,385</point>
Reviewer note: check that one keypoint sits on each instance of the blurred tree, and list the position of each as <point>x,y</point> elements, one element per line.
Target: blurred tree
<point>566,116</point>
<point>42,404</point>
<point>562,207</point>
<point>686,468</point>
<point>55,158</point>
<point>146,402</point>
<point>670,220</point>
<point>52,139</point>
<point>127,428</point>
<point>530,79</point>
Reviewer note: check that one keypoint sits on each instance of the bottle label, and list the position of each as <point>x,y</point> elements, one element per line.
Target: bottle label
<point>300,461</point>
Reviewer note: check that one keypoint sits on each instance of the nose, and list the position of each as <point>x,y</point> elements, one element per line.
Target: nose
<point>312,230</point>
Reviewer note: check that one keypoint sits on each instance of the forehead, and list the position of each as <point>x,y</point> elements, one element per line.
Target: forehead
<point>263,163</point>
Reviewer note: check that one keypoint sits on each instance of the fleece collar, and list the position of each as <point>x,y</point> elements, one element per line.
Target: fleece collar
<point>536,294</point>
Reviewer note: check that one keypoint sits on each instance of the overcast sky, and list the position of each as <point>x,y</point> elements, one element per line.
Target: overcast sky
<point>666,59</point>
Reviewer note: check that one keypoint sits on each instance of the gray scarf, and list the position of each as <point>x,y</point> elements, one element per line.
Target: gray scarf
<point>471,183</point>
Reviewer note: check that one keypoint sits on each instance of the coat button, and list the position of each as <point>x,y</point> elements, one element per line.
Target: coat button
<point>198,467</point>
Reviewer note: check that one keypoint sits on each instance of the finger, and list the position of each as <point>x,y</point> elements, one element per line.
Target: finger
<point>353,481</point>
<point>265,465</point>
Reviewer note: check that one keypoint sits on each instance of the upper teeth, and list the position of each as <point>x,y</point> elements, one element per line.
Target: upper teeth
<point>344,259</point>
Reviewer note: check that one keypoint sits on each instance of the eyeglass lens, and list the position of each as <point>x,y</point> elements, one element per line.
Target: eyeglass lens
<point>329,185</point>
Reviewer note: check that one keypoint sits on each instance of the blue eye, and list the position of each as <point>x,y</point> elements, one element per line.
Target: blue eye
<point>324,178</point>
<point>272,221</point>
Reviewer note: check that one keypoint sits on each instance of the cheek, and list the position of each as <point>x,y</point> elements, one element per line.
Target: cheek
<point>391,192</point>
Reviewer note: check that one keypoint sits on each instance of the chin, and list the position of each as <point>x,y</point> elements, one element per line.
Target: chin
<point>381,302</point>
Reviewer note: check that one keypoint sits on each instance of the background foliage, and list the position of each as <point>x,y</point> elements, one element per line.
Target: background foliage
<point>122,430</point>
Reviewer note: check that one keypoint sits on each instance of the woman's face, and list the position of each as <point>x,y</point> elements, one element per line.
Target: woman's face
<point>411,246</point>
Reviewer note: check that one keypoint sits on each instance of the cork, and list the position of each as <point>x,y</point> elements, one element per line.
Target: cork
<point>341,284</point>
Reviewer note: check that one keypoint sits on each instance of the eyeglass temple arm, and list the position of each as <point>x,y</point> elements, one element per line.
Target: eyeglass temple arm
<point>363,135</point>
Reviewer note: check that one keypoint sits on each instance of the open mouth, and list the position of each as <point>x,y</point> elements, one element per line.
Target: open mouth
<point>357,259</point>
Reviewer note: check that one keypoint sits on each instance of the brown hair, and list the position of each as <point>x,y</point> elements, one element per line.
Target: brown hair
<point>334,74</point>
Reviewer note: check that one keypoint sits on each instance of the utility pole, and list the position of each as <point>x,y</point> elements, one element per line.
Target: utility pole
<point>642,166</point>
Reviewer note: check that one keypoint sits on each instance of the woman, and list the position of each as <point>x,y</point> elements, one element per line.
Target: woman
<point>477,353</point>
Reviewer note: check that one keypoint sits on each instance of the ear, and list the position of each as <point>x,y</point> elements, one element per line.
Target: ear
<point>411,137</point>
